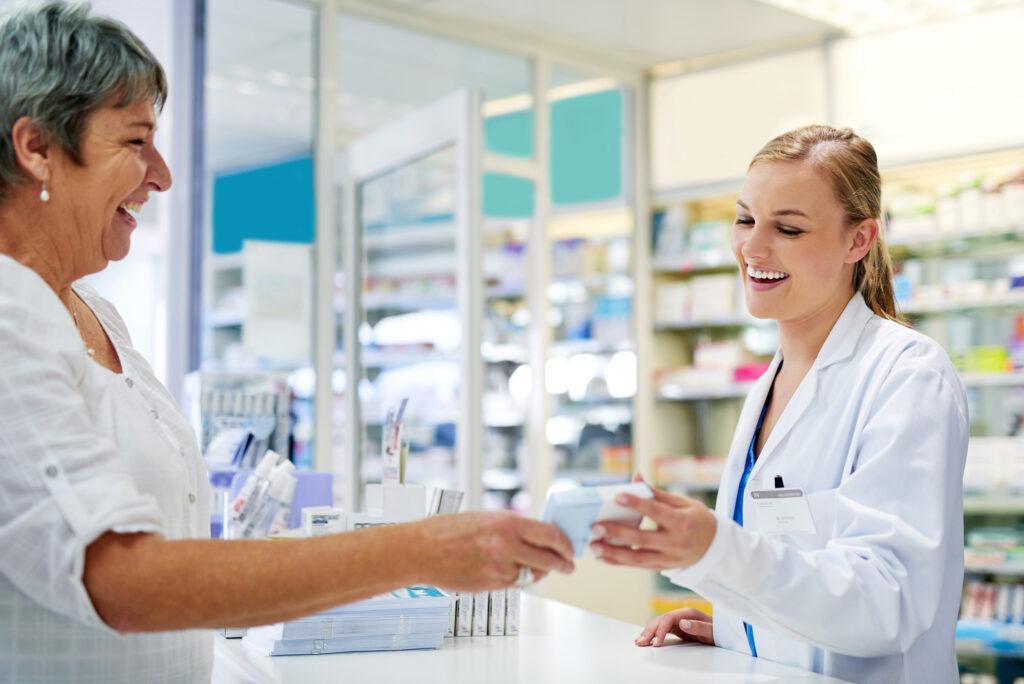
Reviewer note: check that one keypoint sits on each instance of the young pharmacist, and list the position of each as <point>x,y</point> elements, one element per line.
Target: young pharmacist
<point>837,541</point>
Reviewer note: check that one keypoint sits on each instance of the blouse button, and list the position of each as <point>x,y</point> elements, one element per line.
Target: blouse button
<point>129,382</point>
<point>191,497</point>
<point>154,413</point>
<point>51,471</point>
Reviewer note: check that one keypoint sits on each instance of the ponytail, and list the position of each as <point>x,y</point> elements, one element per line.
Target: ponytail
<point>872,277</point>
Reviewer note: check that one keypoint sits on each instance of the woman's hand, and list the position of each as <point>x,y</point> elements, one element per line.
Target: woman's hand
<point>685,530</point>
<point>689,624</point>
<point>482,551</point>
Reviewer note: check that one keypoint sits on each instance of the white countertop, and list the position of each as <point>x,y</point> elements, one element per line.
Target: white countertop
<point>557,643</point>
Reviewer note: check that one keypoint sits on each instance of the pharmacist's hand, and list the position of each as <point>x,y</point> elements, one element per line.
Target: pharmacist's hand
<point>689,624</point>
<point>685,530</point>
<point>482,551</point>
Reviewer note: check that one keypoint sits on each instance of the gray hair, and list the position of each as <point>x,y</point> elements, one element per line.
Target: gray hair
<point>59,63</point>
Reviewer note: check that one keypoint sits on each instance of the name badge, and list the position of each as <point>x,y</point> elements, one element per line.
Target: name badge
<point>783,511</point>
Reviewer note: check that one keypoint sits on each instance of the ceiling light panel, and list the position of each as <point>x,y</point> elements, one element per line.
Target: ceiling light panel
<point>868,16</point>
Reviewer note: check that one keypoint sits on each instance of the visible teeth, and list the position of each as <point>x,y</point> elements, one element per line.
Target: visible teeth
<point>765,275</point>
<point>133,207</point>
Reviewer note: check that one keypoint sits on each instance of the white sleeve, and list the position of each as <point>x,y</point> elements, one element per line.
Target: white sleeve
<point>895,528</point>
<point>63,483</point>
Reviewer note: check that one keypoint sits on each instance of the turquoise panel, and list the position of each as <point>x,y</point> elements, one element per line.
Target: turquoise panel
<point>507,196</point>
<point>272,202</point>
<point>586,148</point>
<point>510,134</point>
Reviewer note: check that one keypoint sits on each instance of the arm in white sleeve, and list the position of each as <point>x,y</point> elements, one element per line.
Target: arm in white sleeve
<point>876,586</point>
<point>63,483</point>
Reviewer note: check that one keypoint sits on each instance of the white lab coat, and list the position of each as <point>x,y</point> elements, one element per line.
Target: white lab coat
<point>876,435</point>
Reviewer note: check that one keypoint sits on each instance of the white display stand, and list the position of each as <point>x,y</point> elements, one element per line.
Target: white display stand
<point>557,643</point>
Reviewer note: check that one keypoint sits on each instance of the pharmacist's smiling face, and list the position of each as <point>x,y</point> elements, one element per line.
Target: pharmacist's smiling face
<point>792,243</point>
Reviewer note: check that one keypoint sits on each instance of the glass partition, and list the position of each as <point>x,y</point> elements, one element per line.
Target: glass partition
<point>590,371</point>
<point>386,73</point>
<point>257,268</point>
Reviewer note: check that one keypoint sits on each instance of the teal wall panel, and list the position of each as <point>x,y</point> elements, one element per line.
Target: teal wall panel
<point>510,134</point>
<point>507,196</point>
<point>272,202</point>
<point>586,148</point>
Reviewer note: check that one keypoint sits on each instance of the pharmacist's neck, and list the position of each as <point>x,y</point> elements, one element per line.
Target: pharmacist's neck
<point>801,339</point>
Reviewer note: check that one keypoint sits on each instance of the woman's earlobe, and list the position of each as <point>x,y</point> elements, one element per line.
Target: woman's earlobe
<point>31,147</point>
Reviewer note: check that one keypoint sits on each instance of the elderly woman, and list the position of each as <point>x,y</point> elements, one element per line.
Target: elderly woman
<point>104,574</point>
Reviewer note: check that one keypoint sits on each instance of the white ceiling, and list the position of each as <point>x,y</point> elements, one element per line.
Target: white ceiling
<point>260,60</point>
<point>648,32</point>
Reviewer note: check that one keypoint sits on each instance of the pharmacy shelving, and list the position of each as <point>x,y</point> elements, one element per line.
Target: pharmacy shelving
<point>1015,379</point>
<point>224,305</point>
<point>675,393</point>
<point>1006,569</point>
<point>724,321</point>
<point>591,360</point>
<point>1009,300</point>
<point>989,638</point>
<point>993,503</point>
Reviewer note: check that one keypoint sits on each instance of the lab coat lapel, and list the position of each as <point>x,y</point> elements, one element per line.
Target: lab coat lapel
<point>796,407</point>
<point>741,438</point>
<point>840,344</point>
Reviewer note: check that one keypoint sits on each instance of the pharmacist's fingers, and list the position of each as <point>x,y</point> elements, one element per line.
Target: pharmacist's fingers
<point>698,630</point>
<point>674,500</point>
<point>670,623</point>
<point>546,535</point>
<point>629,535</point>
<point>665,627</point>
<point>662,625</point>
<point>621,555</point>
<point>658,510</point>
<point>648,632</point>
<point>659,495</point>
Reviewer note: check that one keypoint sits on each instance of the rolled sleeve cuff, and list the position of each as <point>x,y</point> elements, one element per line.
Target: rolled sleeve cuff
<point>143,517</point>
<point>47,544</point>
<point>711,561</point>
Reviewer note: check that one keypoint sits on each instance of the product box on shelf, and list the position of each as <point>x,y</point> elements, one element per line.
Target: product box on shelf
<point>689,471</point>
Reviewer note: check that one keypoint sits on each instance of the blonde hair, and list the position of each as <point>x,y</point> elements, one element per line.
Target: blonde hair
<point>850,161</point>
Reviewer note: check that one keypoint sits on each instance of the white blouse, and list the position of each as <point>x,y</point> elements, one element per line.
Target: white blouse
<point>84,451</point>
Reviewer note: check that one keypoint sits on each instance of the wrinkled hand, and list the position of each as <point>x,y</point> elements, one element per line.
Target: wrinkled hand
<point>689,624</point>
<point>483,551</point>
<point>685,530</point>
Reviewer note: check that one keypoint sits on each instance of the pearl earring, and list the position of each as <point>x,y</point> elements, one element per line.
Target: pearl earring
<point>44,195</point>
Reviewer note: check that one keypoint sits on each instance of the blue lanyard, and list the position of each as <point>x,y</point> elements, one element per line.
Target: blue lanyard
<point>737,512</point>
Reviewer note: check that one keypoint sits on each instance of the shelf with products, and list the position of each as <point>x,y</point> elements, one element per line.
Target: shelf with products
<point>954,234</point>
<point>720,321</point>
<point>591,367</point>
<point>991,619</point>
<point>676,392</point>
<point>989,638</point>
<point>957,243</point>
<point>256,307</point>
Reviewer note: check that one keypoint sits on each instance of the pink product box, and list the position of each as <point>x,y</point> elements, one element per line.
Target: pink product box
<point>750,372</point>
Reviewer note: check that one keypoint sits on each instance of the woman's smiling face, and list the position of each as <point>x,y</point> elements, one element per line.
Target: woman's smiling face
<point>793,244</point>
<point>119,167</point>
